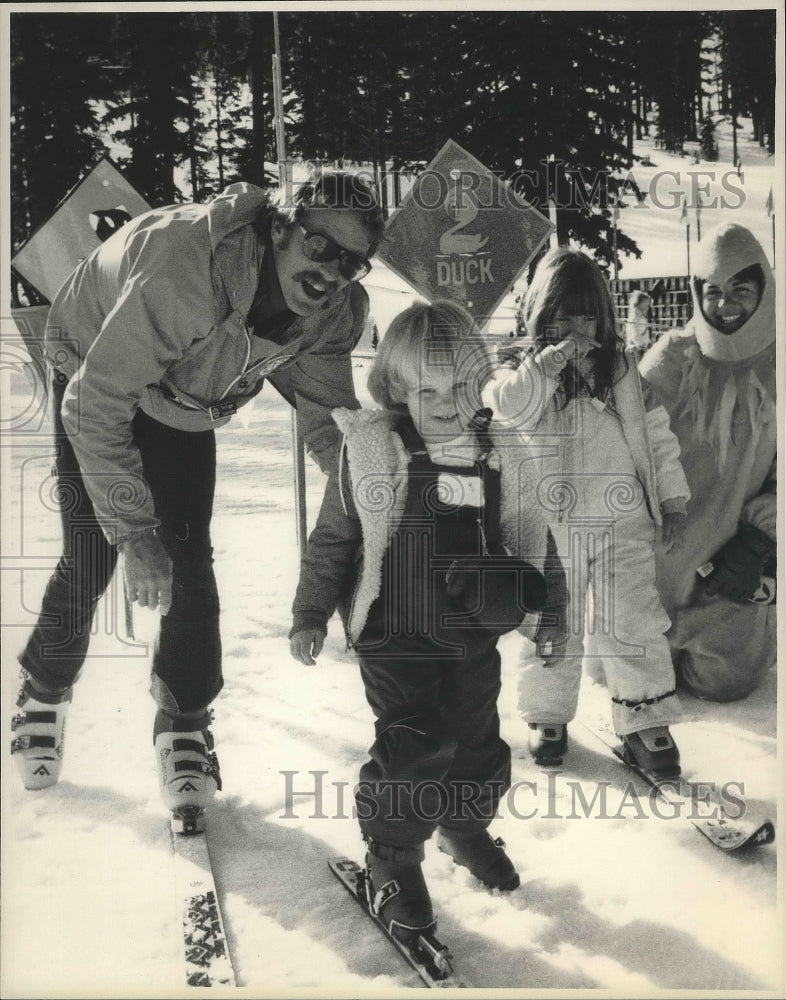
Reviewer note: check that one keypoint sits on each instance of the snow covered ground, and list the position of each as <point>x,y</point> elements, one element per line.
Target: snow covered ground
<point>613,899</point>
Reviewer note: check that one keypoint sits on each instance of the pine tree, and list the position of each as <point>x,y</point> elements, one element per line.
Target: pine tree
<point>708,145</point>
<point>551,111</point>
<point>254,132</point>
<point>160,56</point>
<point>668,63</point>
<point>220,124</point>
<point>748,68</point>
<point>54,125</point>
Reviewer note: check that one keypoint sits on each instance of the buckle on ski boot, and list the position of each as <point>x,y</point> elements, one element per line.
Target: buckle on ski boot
<point>396,891</point>
<point>548,743</point>
<point>40,726</point>
<point>188,773</point>
<point>654,751</point>
<point>188,819</point>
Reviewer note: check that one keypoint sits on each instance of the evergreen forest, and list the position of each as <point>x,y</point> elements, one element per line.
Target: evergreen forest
<point>184,103</point>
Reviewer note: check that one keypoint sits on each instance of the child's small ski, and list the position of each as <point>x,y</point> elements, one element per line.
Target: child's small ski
<point>429,958</point>
<point>207,958</point>
<point>728,825</point>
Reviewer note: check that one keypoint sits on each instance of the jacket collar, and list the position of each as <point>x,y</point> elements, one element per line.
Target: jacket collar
<point>237,246</point>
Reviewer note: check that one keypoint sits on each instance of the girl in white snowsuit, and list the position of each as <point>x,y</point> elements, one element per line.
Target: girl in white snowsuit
<point>607,476</point>
<point>414,531</point>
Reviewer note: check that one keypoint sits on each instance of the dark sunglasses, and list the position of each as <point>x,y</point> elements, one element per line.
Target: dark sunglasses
<point>321,248</point>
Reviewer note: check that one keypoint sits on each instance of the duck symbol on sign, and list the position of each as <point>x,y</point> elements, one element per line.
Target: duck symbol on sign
<point>462,209</point>
<point>105,222</point>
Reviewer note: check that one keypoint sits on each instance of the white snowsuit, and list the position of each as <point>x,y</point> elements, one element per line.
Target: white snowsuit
<point>719,391</point>
<point>603,475</point>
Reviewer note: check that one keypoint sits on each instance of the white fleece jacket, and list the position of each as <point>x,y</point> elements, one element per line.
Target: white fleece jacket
<point>523,399</point>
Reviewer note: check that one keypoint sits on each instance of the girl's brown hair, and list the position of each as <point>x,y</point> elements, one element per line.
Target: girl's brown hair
<point>569,283</point>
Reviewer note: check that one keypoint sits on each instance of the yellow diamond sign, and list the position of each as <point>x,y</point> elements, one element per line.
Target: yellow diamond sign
<point>462,233</point>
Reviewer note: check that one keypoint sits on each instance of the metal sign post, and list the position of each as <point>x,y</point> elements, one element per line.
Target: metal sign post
<point>298,451</point>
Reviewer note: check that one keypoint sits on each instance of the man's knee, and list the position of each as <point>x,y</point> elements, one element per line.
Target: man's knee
<point>194,582</point>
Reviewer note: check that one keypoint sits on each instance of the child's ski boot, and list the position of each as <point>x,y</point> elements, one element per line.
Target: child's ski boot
<point>485,857</point>
<point>39,728</point>
<point>188,771</point>
<point>654,751</point>
<point>548,743</point>
<point>397,891</point>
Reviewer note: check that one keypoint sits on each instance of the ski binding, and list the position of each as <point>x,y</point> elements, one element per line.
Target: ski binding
<point>188,820</point>
<point>427,956</point>
<point>726,831</point>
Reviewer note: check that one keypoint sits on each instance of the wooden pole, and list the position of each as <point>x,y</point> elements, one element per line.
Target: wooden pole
<point>278,104</point>
<point>614,214</point>
<point>687,245</point>
<point>553,238</point>
<point>552,203</point>
<point>298,451</point>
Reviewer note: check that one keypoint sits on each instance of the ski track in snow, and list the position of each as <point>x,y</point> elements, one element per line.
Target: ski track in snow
<point>621,901</point>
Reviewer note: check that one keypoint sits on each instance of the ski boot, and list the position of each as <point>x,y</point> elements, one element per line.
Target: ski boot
<point>188,771</point>
<point>548,743</point>
<point>37,746</point>
<point>483,856</point>
<point>654,751</point>
<point>397,892</point>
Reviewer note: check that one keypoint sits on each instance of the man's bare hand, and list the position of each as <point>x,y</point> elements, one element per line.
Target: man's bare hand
<point>148,571</point>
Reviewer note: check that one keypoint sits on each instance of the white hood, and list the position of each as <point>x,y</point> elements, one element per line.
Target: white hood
<point>725,251</point>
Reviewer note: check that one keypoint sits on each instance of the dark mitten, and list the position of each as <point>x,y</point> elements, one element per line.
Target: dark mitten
<point>737,566</point>
<point>498,591</point>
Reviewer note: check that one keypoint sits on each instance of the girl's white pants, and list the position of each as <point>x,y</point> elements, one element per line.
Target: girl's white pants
<point>615,621</point>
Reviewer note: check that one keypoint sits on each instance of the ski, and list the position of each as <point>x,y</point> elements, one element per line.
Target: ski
<point>429,958</point>
<point>207,958</point>
<point>728,829</point>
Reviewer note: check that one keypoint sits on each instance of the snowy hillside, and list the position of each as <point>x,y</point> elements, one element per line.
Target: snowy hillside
<point>613,898</point>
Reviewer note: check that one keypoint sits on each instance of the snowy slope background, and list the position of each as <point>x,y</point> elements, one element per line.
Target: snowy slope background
<point>617,901</point>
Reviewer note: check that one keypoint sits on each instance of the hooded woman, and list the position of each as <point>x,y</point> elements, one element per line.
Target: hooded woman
<point>716,379</point>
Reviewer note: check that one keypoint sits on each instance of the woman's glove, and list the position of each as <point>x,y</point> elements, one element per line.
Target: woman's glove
<point>736,568</point>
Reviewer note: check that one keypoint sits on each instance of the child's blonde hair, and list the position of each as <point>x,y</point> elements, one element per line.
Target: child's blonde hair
<point>569,283</point>
<point>440,333</point>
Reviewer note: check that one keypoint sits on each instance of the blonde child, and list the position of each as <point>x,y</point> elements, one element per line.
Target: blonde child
<point>607,475</point>
<point>412,543</point>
